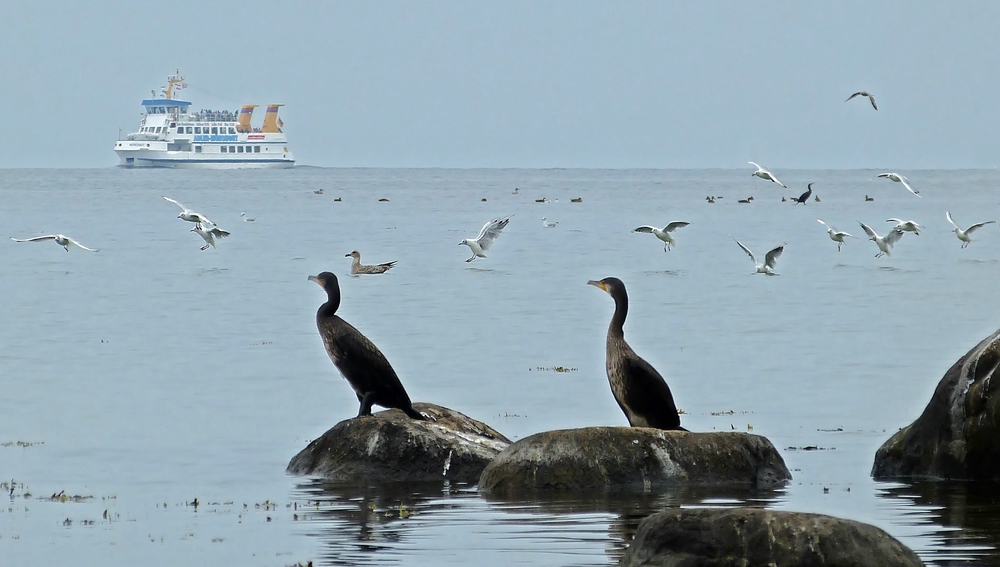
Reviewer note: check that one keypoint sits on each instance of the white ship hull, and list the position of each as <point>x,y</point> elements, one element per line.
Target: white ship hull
<point>146,157</point>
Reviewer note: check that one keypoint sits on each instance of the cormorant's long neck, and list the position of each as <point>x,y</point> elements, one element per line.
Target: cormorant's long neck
<point>329,308</point>
<point>618,319</point>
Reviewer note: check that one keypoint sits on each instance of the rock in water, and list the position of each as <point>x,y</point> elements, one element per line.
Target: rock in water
<point>388,446</point>
<point>631,458</point>
<point>958,435</point>
<point>748,536</point>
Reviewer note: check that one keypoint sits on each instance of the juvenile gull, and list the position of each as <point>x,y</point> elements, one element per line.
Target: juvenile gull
<point>835,235</point>
<point>490,231</point>
<point>765,174</point>
<point>209,234</point>
<point>907,226</point>
<point>963,235</point>
<point>898,179</point>
<point>883,243</point>
<point>864,93</point>
<point>358,268</point>
<point>189,215</point>
<point>61,240</point>
<point>664,233</point>
<point>770,259</point>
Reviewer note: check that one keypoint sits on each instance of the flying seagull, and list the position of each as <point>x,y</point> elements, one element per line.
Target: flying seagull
<point>61,240</point>
<point>189,215</point>
<point>664,233</point>
<point>358,268</point>
<point>883,243</point>
<point>480,244</point>
<point>209,234</point>
<point>906,226</point>
<point>835,235</point>
<point>765,174</point>
<point>898,179</point>
<point>864,93</point>
<point>770,259</point>
<point>963,235</point>
<point>804,197</point>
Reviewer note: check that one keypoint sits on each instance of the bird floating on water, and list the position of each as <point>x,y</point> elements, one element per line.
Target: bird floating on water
<point>747,200</point>
<point>884,243</point>
<point>770,259</point>
<point>906,226</point>
<point>765,174</point>
<point>548,224</point>
<point>209,233</point>
<point>805,196</point>
<point>864,93</point>
<point>490,231</point>
<point>359,361</point>
<point>576,200</point>
<point>835,235</point>
<point>898,179</point>
<point>663,233</point>
<point>358,268</point>
<point>189,215</point>
<point>246,218</point>
<point>641,393</point>
<point>60,239</point>
<point>963,235</point>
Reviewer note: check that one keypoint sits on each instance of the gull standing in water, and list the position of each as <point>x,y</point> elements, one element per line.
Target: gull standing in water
<point>209,234</point>
<point>770,259</point>
<point>358,268</point>
<point>906,226</point>
<point>898,179</point>
<point>883,243</point>
<point>765,174</point>
<point>61,240</point>
<point>490,231</point>
<point>864,93</point>
<point>835,235</point>
<point>963,235</point>
<point>189,215</point>
<point>548,224</point>
<point>664,233</point>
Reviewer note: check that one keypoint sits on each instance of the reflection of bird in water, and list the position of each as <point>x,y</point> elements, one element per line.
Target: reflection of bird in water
<point>548,224</point>
<point>61,240</point>
<point>805,196</point>
<point>898,179</point>
<point>358,268</point>
<point>770,259</point>
<point>835,235</point>
<point>663,233</point>
<point>209,234</point>
<point>765,174</point>
<point>963,235</point>
<point>867,94</point>
<point>907,226</point>
<point>358,359</point>
<point>638,388</point>
<point>883,243</point>
<point>490,231</point>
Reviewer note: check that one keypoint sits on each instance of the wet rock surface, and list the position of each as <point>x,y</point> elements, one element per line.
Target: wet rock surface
<point>388,446</point>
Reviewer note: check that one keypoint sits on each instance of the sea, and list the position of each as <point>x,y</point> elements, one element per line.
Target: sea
<point>153,393</point>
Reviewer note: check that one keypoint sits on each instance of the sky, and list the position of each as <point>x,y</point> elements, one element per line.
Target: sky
<point>533,84</point>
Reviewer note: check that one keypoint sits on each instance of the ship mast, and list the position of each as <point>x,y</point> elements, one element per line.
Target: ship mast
<point>172,81</point>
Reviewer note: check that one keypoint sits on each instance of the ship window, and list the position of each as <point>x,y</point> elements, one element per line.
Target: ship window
<point>256,149</point>
<point>158,129</point>
<point>197,149</point>
<point>232,149</point>
<point>232,130</point>
<point>239,149</point>
<point>188,129</point>
<point>215,130</point>
<point>224,149</point>
<point>249,149</point>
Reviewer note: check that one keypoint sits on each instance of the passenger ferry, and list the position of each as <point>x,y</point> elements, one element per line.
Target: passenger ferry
<point>172,136</point>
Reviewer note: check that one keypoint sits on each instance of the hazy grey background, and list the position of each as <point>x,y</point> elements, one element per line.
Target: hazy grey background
<point>520,84</point>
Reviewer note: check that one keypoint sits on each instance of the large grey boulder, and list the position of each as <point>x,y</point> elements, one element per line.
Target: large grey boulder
<point>747,536</point>
<point>388,446</point>
<point>631,458</point>
<point>958,434</point>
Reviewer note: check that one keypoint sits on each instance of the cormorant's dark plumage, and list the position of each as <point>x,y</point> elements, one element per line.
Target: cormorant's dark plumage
<point>357,358</point>
<point>805,196</point>
<point>638,388</point>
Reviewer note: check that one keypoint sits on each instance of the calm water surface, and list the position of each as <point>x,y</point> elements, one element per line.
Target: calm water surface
<point>151,374</point>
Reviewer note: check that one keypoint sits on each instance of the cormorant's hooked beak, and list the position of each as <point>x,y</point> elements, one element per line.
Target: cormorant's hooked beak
<point>347,255</point>
<point>598,284</point>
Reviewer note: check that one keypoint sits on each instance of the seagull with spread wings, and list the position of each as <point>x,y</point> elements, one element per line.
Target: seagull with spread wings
<point>189,215</point>
<point>663,233</point>
<point>835,235</point>
<point>765,174</point>
<point>209,234</point>
<point>480,244</point>
<point>906,226</point>
<point>898,179</point>
<point>963,235</point>
<point>61,240</point>
<point>770,259</point>
<point>864,93</point>
<point>884,243</point>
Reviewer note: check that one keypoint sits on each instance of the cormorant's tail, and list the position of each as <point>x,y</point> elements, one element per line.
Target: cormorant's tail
<point>414,413</point>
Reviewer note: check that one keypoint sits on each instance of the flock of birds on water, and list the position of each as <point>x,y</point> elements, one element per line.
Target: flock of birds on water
<point>641,392</point>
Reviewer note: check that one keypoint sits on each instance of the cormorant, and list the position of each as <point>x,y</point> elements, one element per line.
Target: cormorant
<point>638,388</point>
<point>805,196</point>
<point>358,359</point>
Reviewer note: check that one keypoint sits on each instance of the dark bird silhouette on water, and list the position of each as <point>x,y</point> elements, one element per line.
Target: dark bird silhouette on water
<point>358,359</point>
<point>805,196</point>
<point>638,388</point>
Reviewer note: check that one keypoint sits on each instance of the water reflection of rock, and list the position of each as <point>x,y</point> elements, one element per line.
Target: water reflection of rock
<point>973,507</point>
<point>628,508</point>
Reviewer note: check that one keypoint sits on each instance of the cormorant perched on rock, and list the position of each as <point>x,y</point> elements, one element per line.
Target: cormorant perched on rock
<point>357,358</point>
<point>638,388</point>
